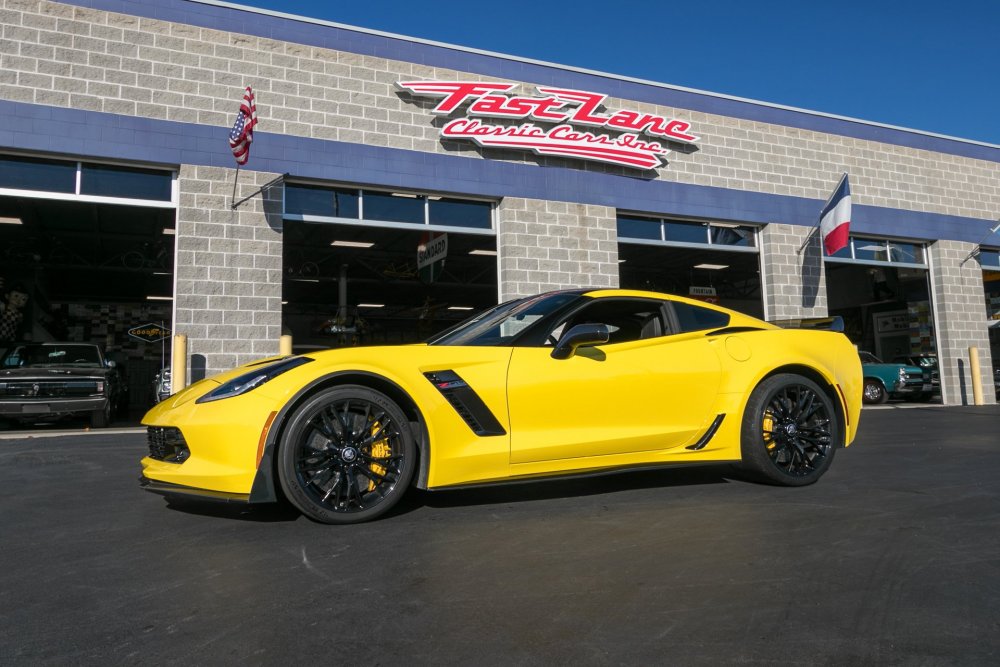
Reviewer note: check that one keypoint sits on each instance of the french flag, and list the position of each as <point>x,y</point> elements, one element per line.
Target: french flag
<point>835,221</point>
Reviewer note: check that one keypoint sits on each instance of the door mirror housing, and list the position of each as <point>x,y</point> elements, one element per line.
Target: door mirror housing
<point>581,335</point>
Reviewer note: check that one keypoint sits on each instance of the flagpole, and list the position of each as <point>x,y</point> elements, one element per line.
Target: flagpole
<point>232,205</point>
<point>819,219</point>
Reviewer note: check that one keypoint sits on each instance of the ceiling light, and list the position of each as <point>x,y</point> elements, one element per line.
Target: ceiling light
<point>371,305</point>
<point>162,273</point>
<point>159,298</point>
<point>711,267</point>
<point>169,231</point>
<point>9,221</point>
<point>726,225</point>
<point>488,253</point>
<point>460,308</point>
<point>404,194</point>
<point>352,244</point>
<point>306,280</point>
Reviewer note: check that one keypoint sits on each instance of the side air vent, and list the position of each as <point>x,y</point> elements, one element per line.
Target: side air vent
<point>466,402</point>
<point>704,439</point>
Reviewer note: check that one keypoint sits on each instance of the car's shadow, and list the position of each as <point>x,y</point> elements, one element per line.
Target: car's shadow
<point>570,487</point>
<point>496,494</point>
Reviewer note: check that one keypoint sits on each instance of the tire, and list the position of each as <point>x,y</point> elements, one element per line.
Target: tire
<point>101,418</point>
<point>790,431</point>
<point>348,455</point>
<point>873,393</point>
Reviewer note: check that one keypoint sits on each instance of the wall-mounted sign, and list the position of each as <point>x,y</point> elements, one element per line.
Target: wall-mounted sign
<point>627,138</point>
<point>150,333</point>
<point>894,321</point>
<point>706,294</point>
<point>431,253</point>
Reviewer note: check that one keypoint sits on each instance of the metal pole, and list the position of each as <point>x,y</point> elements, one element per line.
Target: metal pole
<point>178,364</point>
<point>235,180</point>
<point>977,376</point>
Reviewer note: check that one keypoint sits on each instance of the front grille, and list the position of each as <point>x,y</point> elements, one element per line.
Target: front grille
<point>167,444</point>
<point>50,388</point>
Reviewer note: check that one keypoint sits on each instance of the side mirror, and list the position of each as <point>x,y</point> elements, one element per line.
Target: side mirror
<point>110,363</point>
<point>582,335</point>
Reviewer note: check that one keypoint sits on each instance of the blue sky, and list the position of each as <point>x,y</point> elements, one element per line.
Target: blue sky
<point>932,66</point>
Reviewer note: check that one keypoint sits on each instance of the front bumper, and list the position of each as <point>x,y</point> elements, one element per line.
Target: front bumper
<point>180,491</point>
<point>41,407</point>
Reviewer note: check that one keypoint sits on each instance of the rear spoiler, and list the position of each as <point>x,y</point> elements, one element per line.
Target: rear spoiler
<point>834,323</point>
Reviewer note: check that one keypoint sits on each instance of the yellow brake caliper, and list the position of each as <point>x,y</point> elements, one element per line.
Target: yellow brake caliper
<point>767,430</point>
<point>380,450</point>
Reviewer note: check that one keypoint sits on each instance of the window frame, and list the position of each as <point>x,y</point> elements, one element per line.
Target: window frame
<point>427,197</point>
<point>78,196</point>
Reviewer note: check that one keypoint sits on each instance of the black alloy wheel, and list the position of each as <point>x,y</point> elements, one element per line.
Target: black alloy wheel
<point>790,431</point>
<point>348,455</point>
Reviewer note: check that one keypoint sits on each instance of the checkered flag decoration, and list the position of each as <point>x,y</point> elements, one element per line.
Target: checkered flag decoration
<point>241,136</point>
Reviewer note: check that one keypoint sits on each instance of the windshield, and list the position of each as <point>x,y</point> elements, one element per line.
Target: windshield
<point>39,356</point>
<point>501,324</point>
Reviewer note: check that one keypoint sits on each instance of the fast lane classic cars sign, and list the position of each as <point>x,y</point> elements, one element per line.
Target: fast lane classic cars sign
<point>626,138</point>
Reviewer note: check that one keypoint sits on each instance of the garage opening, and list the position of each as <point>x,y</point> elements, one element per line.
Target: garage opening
<point>90,247</point>
<point>713,261</point>
<point>989,259</point>
<point>881,288</point>
<point>366,267</point>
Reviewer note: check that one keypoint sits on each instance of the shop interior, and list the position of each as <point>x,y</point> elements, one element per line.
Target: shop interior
<point>360,284</point>
<point>88,272</point>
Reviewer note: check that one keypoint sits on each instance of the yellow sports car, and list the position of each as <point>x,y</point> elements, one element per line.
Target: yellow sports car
<point>566,382</point>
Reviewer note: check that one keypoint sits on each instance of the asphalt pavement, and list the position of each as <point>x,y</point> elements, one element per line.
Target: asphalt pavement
<point>893,558</point>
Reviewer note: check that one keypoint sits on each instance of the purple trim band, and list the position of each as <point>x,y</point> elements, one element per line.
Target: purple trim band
<point>56,130</point>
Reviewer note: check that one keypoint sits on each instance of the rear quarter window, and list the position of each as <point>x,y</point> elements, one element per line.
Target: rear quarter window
<point>694,318</point>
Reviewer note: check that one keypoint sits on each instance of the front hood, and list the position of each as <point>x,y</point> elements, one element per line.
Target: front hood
<point>30,373</point>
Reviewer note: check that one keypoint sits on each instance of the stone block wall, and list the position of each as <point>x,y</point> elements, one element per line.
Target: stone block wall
<point>548,245</point>
<point>68,56</point>
<point>792,277</point>
<point>228,268</point>
<point>957,290</point>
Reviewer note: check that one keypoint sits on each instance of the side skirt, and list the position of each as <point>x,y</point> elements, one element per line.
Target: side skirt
<point>546,477</point>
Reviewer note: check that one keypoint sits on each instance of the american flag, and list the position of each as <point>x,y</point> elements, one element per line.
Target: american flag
<point>241,135</point>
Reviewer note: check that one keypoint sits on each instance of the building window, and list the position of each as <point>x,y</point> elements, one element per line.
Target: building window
<point>311,203</point>
<point>87,181</point>
<point>23,173</point>
<point>881,251</point>
<point>989,259</point>
<point>107,181</point>
<point>642,229</point>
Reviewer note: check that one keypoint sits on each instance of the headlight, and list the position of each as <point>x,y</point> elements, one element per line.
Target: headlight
<point>253,379</point>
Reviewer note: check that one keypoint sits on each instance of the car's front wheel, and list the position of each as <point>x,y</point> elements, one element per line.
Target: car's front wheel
<point>348,455</point>
<point>874,393</point>
<point>790,431</point>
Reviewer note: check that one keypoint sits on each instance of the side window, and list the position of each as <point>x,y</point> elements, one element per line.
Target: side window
<point>693,318</point>
<point>626,319</point>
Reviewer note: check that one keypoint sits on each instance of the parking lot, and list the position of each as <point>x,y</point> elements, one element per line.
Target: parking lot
<point>893,558</point>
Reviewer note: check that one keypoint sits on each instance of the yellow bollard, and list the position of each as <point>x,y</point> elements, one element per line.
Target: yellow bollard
<point>178,364</point>
<point>977,376</point>
<point>285,346</point>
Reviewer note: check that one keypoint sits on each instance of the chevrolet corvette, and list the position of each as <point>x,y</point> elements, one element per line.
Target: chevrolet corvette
<point>562,383</point>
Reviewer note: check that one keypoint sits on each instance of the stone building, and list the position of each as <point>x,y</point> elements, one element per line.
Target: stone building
<point>394,184</point>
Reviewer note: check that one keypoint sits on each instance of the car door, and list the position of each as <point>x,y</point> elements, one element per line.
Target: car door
<point>637,393</point>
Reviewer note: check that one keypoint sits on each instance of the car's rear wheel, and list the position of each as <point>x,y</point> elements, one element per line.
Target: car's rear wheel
<point>874,393</point>
<point>790,431</point>
<point>348,455</point>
